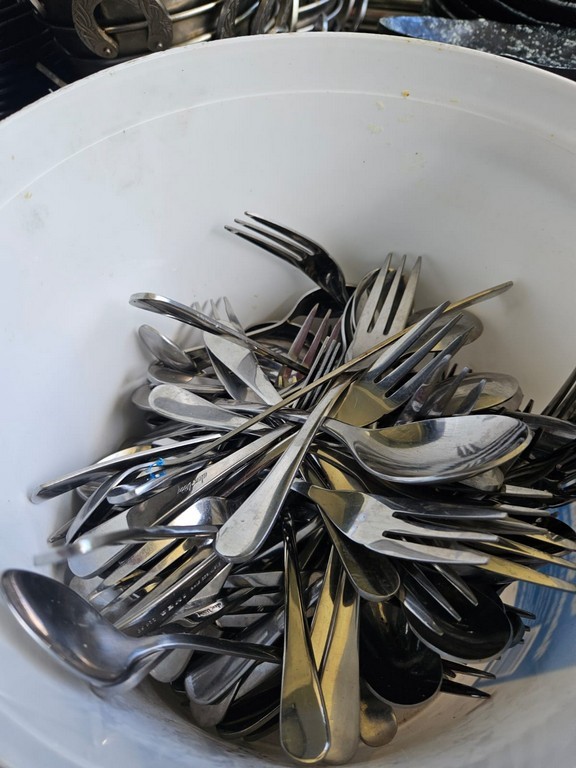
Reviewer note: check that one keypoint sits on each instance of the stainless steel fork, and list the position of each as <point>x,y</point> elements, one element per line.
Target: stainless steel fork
<point>388,306</point>
<point>391,382</point>
<point>298,250</point>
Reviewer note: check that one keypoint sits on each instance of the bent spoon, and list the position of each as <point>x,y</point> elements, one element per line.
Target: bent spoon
<point>76,635</point>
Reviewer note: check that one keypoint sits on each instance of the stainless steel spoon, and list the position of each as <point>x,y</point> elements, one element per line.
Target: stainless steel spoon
<point>243,534</point>
<point>188,407</point>
<point>185,314</point>
<point>304,726</point>
<point>77,636</point>
<point>397,667</point>
<point>434,450</point>
<point>378,722</point>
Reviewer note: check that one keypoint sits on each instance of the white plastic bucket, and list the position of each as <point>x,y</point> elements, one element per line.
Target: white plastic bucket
<point>123,182</point>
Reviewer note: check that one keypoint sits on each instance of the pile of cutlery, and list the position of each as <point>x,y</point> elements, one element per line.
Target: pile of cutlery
<point>332,490</point>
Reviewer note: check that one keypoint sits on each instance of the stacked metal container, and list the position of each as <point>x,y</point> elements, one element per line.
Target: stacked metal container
<point>24,44</point>
<point>94,34</point>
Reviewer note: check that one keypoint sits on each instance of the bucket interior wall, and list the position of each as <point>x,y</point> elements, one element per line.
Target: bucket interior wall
<point>123,183</point>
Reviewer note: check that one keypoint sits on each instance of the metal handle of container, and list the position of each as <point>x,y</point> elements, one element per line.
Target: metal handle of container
<point>102,44</point>
<point>225,26</point>
<point>281,14</point>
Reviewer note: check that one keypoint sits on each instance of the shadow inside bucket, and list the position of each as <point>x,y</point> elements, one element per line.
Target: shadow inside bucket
<point>549,644</point>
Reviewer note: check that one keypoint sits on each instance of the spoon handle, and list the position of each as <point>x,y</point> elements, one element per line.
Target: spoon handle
<point>87,543</point>
<point>177,311</point>
<point>242,535</point>
<point>304,729</point>
<point>175,402</point>
<point>213,678</point>
<point>151,644</point>
<point>325,608</point>
<point>340,675</point>
<point>378,724</point>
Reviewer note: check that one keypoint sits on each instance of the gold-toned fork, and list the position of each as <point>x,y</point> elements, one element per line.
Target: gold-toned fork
<point>291,246</point>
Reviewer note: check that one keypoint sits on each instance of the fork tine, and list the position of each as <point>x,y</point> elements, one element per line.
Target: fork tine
<point>422,579</point>
<point>290,234</point>
<point>427,553</point>
<point>400,319</point>
<point>319,337</point>
<point>230,314</point>
<point>287,374</point>
<point>411,411</point>
<point>300,339</point>
<point>457,582</point>
<point>401,370</point>
<point>409,388</point>
<point>318,368</point>
<point>378,323</point>
<point>368,400</point>
<point>358,298</point>
<point>275,244</point>
<point>315,353</point>
<point>425,388</point>
<point>437,405</point>
<point>395,350</point>
<point>213,309</point>
<point>469,402</point>
<point>299,251</point>
<point>327,356</point>
<point>374,297</point>
<point>518,572</point>
<point>387,306</point>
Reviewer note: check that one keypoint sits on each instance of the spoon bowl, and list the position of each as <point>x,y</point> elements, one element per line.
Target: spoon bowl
<point>164,349</point>
<point>77,636</point>
<point>434,450</point>
<point>397,667</point>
